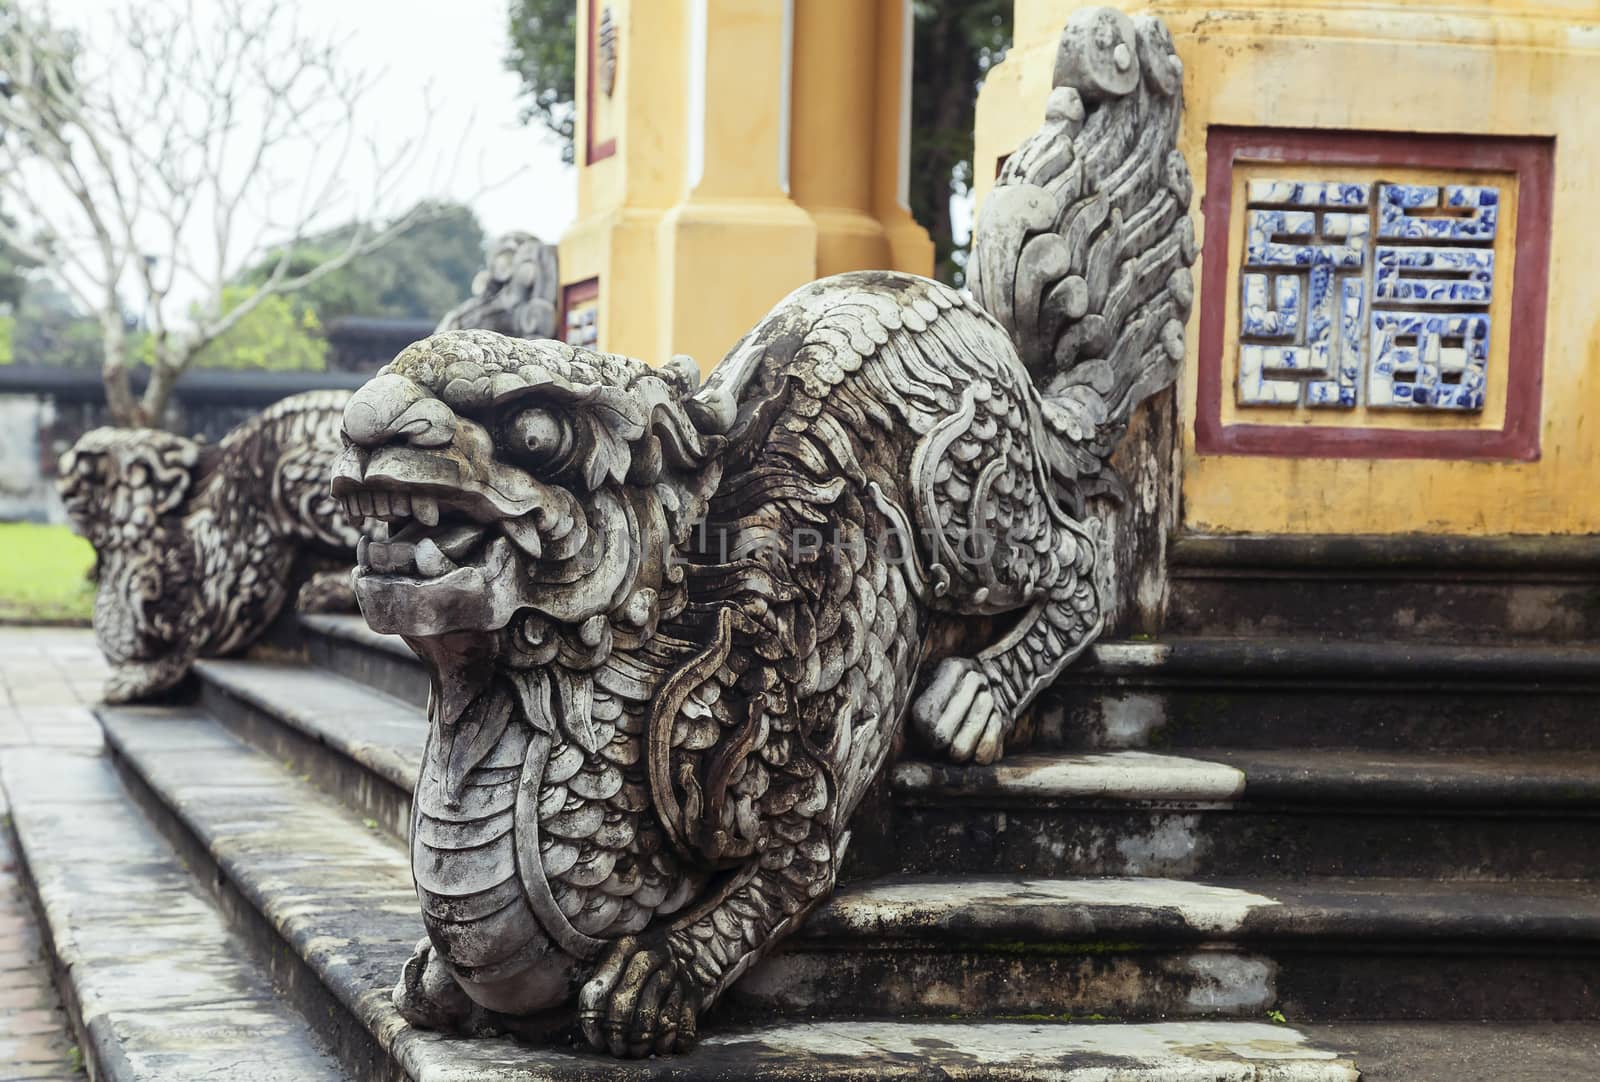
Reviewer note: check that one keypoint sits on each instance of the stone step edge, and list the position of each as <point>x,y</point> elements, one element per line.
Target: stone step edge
<point>122,1035</point>
<point>1234,1051</point>
<point>397,766</point>
<point>372,779</point>
<point>1248,779</point>
<point>1288,660</point>
<point>1183,911</point>
<point>378,779</point>
<point>1014,914</point>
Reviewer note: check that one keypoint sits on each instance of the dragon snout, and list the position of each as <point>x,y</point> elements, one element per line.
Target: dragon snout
<point>392,409</point>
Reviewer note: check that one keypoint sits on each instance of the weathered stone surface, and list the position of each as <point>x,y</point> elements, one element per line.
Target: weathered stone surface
<point>1467,1051</point>
<point>518,293</point>
<point>1251,812</point>
<point>159,986</point>
<point>672,630</point>
<point>337,900</point>
<point>1320,693</point>
<point>346,645</point>
<point>361,746</point>
<point>198,547</point>
<point>1210,812</point>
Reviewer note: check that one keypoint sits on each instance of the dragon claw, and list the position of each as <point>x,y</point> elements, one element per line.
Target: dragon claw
<point>641,1001</point>
<point>429,997</point>
<point>959,714</point>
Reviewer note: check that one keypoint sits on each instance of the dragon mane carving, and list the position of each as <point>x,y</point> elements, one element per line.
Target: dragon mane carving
<point>673,630</point>
<point>515,294</point>
<point>198,546</point>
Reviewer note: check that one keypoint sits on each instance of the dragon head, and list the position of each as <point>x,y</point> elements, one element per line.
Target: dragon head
<point>526,490</point>
<point>125,490</point>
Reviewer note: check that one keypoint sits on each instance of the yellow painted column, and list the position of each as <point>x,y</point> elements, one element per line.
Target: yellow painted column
<point>1469,86</point>
<point>736,243</point>
<point>728,152</point>
<point>851,134</point>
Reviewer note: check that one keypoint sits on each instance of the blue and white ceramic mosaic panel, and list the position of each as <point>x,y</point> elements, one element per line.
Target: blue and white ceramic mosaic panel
<point>1376,292</point>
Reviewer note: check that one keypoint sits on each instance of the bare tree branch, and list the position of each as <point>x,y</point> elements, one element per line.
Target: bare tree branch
<point>137,178</point>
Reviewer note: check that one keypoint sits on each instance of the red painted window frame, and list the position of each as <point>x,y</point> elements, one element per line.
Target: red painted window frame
<point>592,151</point>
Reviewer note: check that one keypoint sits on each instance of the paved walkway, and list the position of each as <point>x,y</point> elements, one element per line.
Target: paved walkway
<point>48,676</point>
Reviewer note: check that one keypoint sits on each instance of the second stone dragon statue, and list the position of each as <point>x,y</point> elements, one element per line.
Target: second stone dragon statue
<point>674,630</point>
<point>198,546</point>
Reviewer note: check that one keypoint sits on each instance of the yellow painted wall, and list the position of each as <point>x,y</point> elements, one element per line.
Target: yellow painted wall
<point>1494,67</point>
<point>726,192</point>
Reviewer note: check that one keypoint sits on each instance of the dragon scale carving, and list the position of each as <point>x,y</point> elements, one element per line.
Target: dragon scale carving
<point>198,546</point>
<point>673,630</point>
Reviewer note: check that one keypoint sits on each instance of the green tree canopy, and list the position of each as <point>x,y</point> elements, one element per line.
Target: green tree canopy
<point>13,271</point>
<point>273,336</point>
<point>50,329</point>
<point>421,274</point>
<point>957,42</point>
<point>544,53</point>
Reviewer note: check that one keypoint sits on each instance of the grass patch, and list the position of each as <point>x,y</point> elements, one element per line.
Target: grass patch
<point>43,575</point>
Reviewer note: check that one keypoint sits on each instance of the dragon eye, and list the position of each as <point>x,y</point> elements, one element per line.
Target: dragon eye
<point>542,435</point>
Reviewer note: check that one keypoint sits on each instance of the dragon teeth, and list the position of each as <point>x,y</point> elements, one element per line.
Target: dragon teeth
<point>430,561</point>
<point>524,533</point>
<point>425,509</point>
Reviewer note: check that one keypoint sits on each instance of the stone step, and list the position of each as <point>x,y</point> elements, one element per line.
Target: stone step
<point>1198,692</point>
<point>1245,812</point>
<point>346,645</point>
<point>358,744</point>
<point>349,647</point>
<point>1131,948</point>
<point>1314,693</point>
<point>1419,587</point>
<point>329,898</point>
<point>1216,812</point>
<point>157,985</point>
<point>1314,950</point>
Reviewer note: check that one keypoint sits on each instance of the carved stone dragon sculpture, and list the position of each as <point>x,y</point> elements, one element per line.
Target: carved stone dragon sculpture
<point>515,294</point>
<point>198,546</point>
<point>673,630</point>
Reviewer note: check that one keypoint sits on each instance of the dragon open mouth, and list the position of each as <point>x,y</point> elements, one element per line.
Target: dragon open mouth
<point>425,540</point>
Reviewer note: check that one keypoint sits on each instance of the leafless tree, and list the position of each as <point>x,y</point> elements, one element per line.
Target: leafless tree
<point>194,144</point>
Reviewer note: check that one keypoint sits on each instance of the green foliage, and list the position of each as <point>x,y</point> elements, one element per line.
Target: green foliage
<point>13,266</point>
<point>421,274</point>
<point>956,43</point>
<point>8,327</point>
<point>50,330</point>
<point>273,335</point>
<point>544,52</point>
<point>45,576</point>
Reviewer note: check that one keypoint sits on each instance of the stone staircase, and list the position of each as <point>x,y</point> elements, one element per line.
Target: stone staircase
<point>1277,861</point>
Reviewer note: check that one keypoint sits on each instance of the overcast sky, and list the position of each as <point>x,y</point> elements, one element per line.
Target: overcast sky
<point>457,46</point>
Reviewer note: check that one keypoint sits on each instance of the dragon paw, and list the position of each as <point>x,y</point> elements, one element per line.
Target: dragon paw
<point>327,591</point>
<point>959,714</point>
<point>641,1001</point>
<point>429,997</point>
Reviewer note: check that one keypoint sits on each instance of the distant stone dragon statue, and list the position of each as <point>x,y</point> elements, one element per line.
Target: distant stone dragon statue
<point>673,630</point>
<point>515,294</point>
<point>198,546</point>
